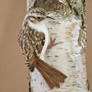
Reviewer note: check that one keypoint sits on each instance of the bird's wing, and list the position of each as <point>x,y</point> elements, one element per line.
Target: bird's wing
<point>31,40</point>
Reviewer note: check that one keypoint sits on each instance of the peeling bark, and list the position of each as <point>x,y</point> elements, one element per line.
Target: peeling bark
<point>69,56</point>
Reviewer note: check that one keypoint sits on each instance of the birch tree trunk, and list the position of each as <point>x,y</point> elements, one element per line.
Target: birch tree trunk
<point>69,56</point>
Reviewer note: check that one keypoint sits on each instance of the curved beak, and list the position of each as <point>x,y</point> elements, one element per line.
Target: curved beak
<point>50,17</point>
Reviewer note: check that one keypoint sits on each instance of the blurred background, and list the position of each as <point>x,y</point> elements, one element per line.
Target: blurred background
<point>13,73</point>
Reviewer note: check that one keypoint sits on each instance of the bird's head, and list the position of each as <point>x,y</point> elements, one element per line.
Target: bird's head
<point>37,15</point>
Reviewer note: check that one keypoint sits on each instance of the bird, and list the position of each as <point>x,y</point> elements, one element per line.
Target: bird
<point>34,41</point>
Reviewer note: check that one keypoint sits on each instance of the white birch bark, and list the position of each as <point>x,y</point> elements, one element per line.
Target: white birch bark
<point>69,56</point>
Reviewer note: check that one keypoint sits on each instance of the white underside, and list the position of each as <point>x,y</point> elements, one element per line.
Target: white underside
<point>41,27</point>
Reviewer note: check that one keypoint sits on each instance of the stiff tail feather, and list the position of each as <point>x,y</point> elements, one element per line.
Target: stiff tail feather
<point>52,76</point>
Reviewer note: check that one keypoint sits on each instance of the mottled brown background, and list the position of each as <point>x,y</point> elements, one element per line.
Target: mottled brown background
<point>13,72</point>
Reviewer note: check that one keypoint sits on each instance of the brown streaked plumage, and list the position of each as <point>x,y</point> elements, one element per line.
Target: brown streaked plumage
<point>32,42</point>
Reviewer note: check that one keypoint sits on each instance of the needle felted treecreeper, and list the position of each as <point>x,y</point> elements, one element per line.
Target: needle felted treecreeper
<point>34,41</point>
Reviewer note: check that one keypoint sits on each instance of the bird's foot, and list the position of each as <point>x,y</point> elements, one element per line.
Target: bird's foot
<point>52,43</point>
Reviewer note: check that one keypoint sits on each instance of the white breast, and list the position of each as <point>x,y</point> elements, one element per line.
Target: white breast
<point>41,27</point>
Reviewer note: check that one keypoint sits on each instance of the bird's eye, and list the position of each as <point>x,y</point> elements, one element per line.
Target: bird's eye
<point>39,18</point>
